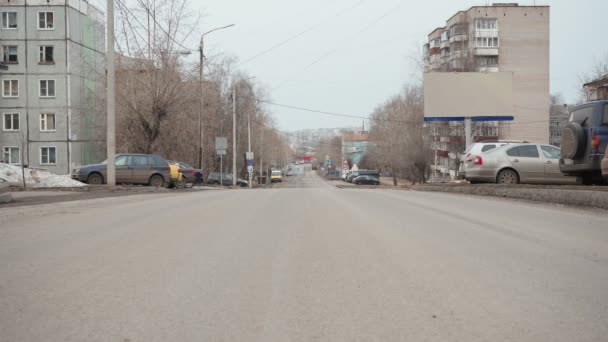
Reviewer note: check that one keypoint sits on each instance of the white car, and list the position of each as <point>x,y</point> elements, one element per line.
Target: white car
<point>478,148</point>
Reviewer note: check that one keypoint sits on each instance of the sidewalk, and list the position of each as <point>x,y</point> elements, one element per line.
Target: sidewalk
<point>388,181</point>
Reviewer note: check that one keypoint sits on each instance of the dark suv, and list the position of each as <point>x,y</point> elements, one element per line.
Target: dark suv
<point>130,168</point>
<point>584,141</point>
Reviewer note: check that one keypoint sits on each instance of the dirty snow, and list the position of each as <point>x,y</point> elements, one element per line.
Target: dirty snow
<point>36,178</point>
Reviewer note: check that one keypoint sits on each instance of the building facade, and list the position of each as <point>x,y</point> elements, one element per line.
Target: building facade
<point>597,89</point>
<point>503,37</point>
<point>354,147</point>
<point>53,93</point>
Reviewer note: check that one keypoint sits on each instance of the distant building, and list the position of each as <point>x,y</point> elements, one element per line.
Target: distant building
<point>354,147</point>
<point>597,89</point>
<point>53,93</point>
<point>504,37</point>
<point>558,118</point>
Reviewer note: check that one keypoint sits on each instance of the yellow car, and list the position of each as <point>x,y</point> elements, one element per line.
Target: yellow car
<point>276,176</point>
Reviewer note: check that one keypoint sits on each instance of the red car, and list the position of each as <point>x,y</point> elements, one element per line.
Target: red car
<point>191,174</point>
<point>605,166</point>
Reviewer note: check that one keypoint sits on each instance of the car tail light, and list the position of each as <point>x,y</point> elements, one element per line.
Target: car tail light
<point>595,142</point>
<point>193,172</point>
<point>478,160</point>
<point>468,158</point>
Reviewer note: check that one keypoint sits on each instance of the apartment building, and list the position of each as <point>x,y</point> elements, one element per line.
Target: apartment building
<point>53,93</point>
<point>503,37</point>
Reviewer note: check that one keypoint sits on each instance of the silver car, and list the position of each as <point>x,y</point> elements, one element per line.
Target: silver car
<point>518,163</point>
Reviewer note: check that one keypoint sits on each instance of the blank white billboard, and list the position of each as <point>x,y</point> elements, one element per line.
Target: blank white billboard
<point>469,94</point>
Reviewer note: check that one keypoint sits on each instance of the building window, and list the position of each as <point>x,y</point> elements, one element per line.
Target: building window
<point>487,61</point>
<point>47,122</point>
<point>45,21</point>
<point>11,155</point>
<point>9,54</point>
<point>487,42</point>
<point>9,20</point>
<point>47,54</point>
<point>486,24</point>
<point>10,88</point>
<point>47,88</point>
<point>11,122</point>
<point>48,155</point>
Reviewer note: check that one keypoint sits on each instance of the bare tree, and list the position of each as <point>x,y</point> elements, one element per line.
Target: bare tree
<point>400,143</point>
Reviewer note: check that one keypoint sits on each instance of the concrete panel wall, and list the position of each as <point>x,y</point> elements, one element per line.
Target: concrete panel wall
<point>79,74</point>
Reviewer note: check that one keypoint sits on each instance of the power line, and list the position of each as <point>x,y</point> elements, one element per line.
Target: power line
<point>344,42</point>
<point>299,34</point>
<point>335,114</point>
<point>153,16</point>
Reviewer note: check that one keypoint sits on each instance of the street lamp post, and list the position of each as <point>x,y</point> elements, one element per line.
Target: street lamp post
<point>200,116</point>
<point>110,115</point>
<point>234,90</point>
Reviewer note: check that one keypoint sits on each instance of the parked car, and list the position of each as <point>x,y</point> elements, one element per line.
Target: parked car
<point>214,178</point>
<point>358,173</point>
<point>480,147</point>
<point>276,176</point>
<point>130,168</point>
<point>5,194</point>
<point>584,142</point>
<point>518,163</point>
<point>346,174</point>
<point>190,174</point>
<point>333,173</point>
<point>366,180</point>
<point>605,166</point>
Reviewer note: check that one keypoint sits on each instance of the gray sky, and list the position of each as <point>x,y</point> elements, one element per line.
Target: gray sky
<point>363,48</point>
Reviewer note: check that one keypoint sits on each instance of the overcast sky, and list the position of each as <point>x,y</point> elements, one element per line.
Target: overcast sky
<point>354,54</point>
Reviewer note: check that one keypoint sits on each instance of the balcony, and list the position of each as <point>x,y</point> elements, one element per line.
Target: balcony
<point>486,51</point>
<point>444,44</point>
<point>435,51</point>
<point>488,69</point>
<point>459,37</point>
<point>455,55</point>
<point>486,33</point>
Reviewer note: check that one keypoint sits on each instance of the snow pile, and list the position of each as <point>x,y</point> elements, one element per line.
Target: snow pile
<point>36,178</point>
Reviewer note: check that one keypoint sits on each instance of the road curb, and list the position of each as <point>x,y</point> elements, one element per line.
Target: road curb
<point>579,198</point>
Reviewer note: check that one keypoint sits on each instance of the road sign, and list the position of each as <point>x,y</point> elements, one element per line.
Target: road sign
<point>220,152</point>
<point>249,155</point>
<point>250,169</point>
<point>221,143</point>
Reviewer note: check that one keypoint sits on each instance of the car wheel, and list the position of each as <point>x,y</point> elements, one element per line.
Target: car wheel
<point>95,179</point>
<point>180,184</point>
<point>507,177</point>
<point>157,181</point>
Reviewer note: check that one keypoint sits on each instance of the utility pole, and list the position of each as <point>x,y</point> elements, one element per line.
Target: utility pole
<point>201,127</point>
<point>200,114</point>
<point>249,144</point>
<point>234,135</point>
<point>261,152</point>
<point>110,130</point>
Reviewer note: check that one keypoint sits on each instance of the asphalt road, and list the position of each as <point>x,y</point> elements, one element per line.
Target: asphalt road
<point>302,262</point>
